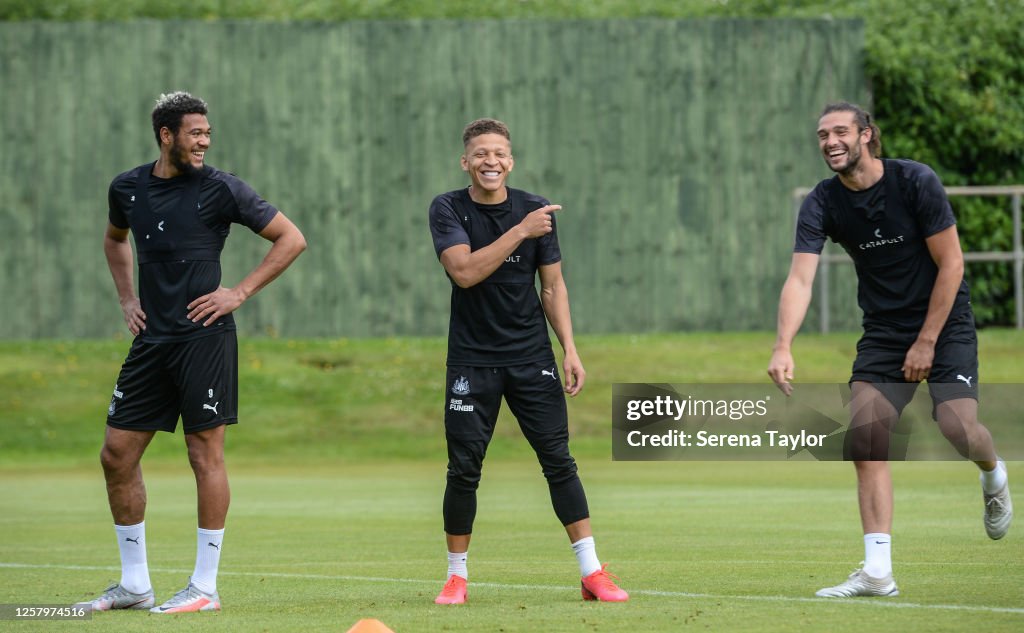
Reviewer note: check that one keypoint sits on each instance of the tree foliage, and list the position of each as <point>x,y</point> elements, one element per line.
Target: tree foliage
<point>948,87</point>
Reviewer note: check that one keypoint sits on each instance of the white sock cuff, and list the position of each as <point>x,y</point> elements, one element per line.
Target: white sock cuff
<point>586,556</point>
<point>992,481</point>
<point>206,532</point>
<point>131,544</point>
<point>458,564</point>
<point>877,554</point>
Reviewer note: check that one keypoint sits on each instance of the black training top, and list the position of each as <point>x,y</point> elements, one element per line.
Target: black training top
<point>499,322</point>
<point>884,228</point>
<point>179,225</point>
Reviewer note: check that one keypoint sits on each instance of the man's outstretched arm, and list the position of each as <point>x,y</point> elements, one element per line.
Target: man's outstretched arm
<point>120,260</point>
<point>555,300</point>
<point>944,248</point>
<point>793,303</point>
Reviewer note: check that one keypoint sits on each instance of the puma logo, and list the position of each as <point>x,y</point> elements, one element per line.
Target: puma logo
<point>212,408</point>
<point>214,546</point>
<point>551,373</point>
<point>966,380</point>
<point>133,540</point>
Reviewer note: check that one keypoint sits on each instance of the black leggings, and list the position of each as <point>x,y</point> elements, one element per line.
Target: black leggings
<point>534,395</point>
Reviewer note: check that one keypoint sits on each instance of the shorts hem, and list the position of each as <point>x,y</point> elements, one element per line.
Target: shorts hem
<point>192,429</point>
<point>134,427</point>
<point>939,398</point>
<point>585,515</point>
<point>209,425</point>
<point>874,378</point>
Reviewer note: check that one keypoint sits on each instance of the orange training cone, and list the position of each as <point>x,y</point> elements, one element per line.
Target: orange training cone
<point>369,625</point>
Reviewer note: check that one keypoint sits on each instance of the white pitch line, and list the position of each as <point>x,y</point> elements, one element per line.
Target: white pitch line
<point>885,603</point>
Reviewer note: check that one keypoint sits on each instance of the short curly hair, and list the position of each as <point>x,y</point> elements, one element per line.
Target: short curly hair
<point>484,126</point>
<point>171,108</point>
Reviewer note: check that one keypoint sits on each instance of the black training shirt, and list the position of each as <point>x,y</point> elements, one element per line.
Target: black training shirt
<point>499,322</point>
<point>178,242</point>
<point>884,228</point>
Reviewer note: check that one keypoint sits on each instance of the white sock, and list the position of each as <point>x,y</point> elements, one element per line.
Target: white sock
<point>457,564</point>
<point>992,481</point>
<point>586,556</point>
<point>208,544</point>
<point>877,555</point>
<point>131,541</point>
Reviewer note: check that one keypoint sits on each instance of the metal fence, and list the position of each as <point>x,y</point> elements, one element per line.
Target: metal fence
<point>1015,256</point>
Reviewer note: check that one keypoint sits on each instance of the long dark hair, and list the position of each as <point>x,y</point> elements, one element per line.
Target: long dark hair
<point>863,119</point>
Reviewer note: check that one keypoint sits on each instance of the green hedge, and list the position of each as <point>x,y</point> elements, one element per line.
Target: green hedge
<point>947,78</point>
<point>949,91</point>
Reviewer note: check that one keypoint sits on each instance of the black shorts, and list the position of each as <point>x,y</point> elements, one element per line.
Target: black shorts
<point>195,379</point>
<point>954,372</point>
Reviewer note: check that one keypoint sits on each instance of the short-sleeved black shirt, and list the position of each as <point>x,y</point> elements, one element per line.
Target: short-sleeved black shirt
<point>884,228</point>
<point>192,239</point>
<point>499,322</point>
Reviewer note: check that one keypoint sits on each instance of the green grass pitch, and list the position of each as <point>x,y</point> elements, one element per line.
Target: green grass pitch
<point>337,474</point>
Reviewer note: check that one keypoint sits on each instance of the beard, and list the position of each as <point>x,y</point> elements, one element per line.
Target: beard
<point>181,160</point>
<point>853,155</point>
